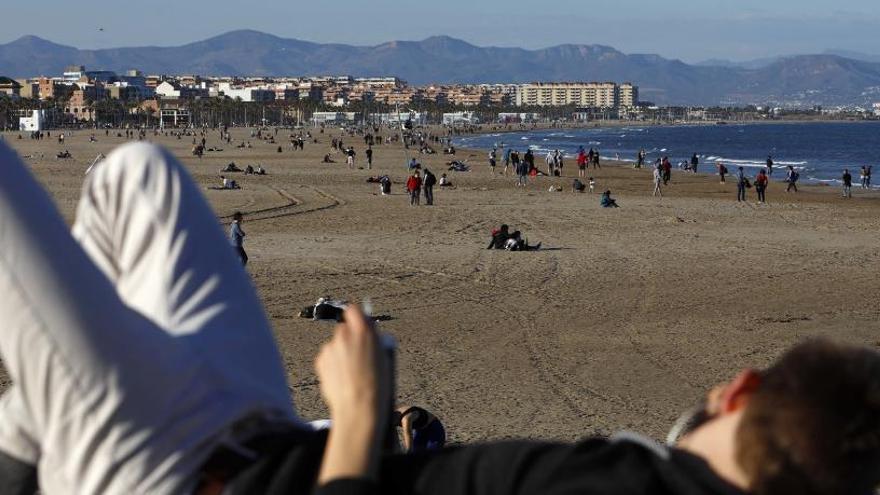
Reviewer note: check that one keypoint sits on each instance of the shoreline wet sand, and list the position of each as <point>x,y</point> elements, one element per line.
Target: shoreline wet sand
<point>624,321</point>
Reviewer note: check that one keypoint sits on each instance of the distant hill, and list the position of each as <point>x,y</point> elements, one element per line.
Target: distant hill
<point>864,57</point>
<point>808,80</point>
<point>757,63</point>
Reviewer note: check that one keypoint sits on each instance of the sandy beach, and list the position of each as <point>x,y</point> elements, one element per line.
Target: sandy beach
<point>625,319</point>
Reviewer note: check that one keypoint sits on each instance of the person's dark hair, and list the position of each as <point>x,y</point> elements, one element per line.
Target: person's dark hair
<point>812,426</point>
<point>504,227</point>
<point>237,215</point>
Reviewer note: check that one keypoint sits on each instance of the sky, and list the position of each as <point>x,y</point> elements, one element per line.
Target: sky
<point>690,30</point>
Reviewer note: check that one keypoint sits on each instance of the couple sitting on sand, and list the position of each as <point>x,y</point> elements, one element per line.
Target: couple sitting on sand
<point>503,239</point>
<point>142,362</point>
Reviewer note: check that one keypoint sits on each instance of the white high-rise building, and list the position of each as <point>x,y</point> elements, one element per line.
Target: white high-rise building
<point>580,94</point>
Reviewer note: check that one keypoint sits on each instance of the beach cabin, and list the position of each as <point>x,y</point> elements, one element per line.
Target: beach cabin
<point>456,118</point>
<point>35,123</point>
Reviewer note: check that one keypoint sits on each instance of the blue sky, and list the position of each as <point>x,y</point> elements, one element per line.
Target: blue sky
<point>691,30</point>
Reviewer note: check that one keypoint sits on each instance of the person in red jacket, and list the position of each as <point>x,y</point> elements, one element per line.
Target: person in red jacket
<point>414,186</point>
<point>761,181</point>
<point>582,163</point>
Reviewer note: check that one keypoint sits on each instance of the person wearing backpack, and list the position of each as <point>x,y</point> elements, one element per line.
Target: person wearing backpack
<point>428,182</point>
<point>792,179</point>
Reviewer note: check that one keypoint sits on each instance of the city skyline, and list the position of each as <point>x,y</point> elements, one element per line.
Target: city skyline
<point>682,29</point>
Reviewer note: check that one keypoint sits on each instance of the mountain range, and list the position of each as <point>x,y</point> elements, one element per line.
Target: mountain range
<point>833,78</point>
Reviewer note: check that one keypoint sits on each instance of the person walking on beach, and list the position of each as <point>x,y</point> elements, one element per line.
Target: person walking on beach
<point>769,165</point>
<point>761,181</point>
<point>868,178</point>
<point>695,162</point>
<point>506,161</point>
<point>529,159</point>
<point>658,180</point>
<point>236,238</point>
<point>522,172</point>
<point>428,182</point>
<point>350,157</point>
<point>741,182</point>
<point>596,159</point>
<point>640,159</point>
<point>550,161</point>
<point>492,156</point>
<point>414,188</point>
<point>666,165</point>
<point>863,177</point>
<point>722,171</point>
<point>515,161</point>
<point>792,179</point>
<point>369,154</point>
<point>847,183</point>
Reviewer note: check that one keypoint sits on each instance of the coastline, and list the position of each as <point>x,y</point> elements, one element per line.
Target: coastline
<point>707,165</point>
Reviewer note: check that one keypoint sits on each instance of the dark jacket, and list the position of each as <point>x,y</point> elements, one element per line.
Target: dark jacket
<point>498,240</point>
<point>429,179</point>
<point>623,465</point>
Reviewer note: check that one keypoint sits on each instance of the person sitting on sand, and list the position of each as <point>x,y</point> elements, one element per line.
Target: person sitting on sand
<point>260,170</point>
<point>578,186</point>
<point>516,243</point>
<point>385,185</point>
<point>607,202</point>
<point>422,431</point>
<point>499,237</point>
<point>444,181</point>
<point>327,159</point>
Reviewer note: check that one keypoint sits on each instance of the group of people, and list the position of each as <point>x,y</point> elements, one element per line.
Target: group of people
<point>585,159</point>
<point>418,182</point>
<point>177,385</point>
<point>662,174</point>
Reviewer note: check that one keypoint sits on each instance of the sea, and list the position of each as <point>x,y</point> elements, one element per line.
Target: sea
<point>819,151</point>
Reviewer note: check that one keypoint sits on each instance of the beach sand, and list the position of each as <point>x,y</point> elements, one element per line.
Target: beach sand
<point>625,320</point>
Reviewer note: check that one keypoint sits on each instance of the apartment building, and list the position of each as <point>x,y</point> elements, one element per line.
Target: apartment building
<point>580,94</point>
<point>629,95</point>
<point>9,87</point>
